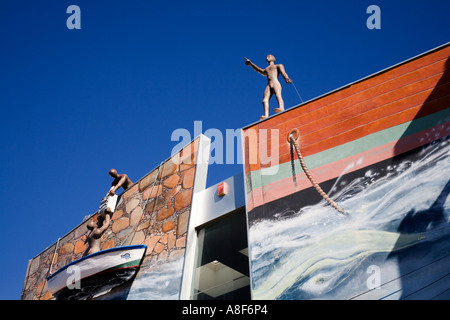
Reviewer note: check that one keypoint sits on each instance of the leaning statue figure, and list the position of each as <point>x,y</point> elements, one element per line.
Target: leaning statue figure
<point>120,180</point>
<point>273,85</point>
<point>108,203</point>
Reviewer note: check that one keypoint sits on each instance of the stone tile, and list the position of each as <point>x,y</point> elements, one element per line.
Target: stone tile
<point>170,240</point>
<point>131,205</point>
<point>135,216</point>
<point>171,181</point>
<point>159,203</point>
<point>41,286</point>
<point>138,238</point>
<point>159,247</point>
<point>164,213</point>
<point>148,180</point>
<point>181,242</point>
<point>123,235</point>
<point>184,166</point>
<point>80,246</point>
<point>120,224</point>
<point>188,179</point>
<point>108,244</point>
<point>62,262</point>
<point>66,248</point>
<point>130,191</point>
<point>168,225</point>
<point>182,224</point>
<point>117,214</point>
<point>183,199</point>
<point>150,243</point>
<point>81,230</point>
<point>171,193</point>
<point>35,264</point>
<point>188,152</point>
<point>170,166</point>
<point>143,225</point>
<point>152,191</point>
<point>28,295</point>
<point>163,239</point>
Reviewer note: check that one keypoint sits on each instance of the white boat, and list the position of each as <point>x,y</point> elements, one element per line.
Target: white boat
<point>97,272</point>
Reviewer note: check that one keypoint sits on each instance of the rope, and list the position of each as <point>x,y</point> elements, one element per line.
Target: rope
<point>143,209</point>
<point>53,258</point>
<point>311,178</point>
<point>49,272</point>
<point>296,91</point>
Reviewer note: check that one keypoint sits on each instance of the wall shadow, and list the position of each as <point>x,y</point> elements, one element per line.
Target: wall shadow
<point>435,101</point>
<point>423,262</point>
<point>418,258</point>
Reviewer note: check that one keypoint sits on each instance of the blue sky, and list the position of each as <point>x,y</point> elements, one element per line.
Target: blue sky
<point>76,103</point>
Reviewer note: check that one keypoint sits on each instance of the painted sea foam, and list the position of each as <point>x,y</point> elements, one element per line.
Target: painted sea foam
<point>314,253</point>
<point>160,282</point>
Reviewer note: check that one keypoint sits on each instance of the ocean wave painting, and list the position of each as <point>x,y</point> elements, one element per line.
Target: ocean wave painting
<point>397,220</point>
<point>159,282</point>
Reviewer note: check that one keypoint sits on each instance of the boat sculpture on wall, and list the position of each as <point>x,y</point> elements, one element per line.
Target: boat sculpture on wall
<point>98,272</point>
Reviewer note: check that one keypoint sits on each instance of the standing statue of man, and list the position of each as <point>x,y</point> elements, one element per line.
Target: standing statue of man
<point>273,85</point>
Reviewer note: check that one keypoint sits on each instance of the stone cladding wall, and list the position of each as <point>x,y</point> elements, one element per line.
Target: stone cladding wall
<point>154,211</point>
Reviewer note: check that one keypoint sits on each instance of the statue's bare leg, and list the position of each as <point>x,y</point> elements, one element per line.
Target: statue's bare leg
<point>267,95</point>
<point>280,101</point>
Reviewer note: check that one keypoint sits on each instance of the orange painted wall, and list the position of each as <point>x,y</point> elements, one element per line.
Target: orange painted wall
<point>411,90</point>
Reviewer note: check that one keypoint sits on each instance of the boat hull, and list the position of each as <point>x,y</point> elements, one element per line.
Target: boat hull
<point>95,273</point>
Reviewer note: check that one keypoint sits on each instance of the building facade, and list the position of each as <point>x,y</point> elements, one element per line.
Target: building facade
<point>378,149</point>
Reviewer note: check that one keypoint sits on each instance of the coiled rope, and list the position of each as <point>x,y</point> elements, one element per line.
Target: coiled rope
<point>292,138</point>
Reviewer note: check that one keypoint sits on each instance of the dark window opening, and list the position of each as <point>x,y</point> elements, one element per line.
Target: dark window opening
<point>222,264</point>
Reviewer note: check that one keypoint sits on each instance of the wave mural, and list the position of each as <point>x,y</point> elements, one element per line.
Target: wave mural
<point>393,221</point>
<point>159,282</point>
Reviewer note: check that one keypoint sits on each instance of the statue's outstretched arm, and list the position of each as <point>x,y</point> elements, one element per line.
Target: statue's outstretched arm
<point>116,187</point>
<point>255,67</point>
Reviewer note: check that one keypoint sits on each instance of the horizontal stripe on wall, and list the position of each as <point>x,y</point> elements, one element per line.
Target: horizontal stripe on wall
<point>346,158</point>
